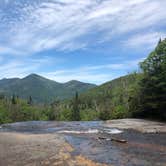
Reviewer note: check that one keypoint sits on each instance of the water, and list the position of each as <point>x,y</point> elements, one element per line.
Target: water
<point>89,127</point>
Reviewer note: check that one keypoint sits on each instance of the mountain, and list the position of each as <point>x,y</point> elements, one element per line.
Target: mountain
<point>114,87</point>
<point>41,89</point>
<point>111,99</point>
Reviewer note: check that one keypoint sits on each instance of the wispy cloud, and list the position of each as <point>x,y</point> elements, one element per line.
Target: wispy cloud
<point>96,78</point>
<point>33,29</point>
<point>22,67</point>
<point>144,40</point>
<point>35,26</point>
<point>8,50</point>
<point>93,73</point>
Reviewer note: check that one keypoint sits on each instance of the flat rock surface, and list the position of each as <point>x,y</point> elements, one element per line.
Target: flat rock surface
<point>17,149</point>
<point>145,126</point>
<point>79,144</point>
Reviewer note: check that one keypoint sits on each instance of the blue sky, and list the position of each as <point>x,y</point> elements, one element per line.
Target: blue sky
<point>88,40</point>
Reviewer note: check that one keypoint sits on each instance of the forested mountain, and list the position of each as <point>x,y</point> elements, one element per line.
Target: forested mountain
<point>41,89</point>
<point>112,99</point>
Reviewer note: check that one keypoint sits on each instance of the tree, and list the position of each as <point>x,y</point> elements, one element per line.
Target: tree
<point>30,101</point>
<point>54,113</point>
<point>14,101</point>
<point>75,111</point>
<point>2,96</point>
<point>153,84</point>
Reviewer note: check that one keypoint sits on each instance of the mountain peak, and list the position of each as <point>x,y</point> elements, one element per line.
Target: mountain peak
<point>73,81</point>
<point>33,75</point>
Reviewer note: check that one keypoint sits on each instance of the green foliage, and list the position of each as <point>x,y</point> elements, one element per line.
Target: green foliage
<point>4,113</point>
<point>18,110</point>
<point>75,110</point>
<point>105,111</point>
<point>120,112</point>
<point>112,99</point>
<point>89,114</point>
<point>14,100</point>
<point>153,83</point>
<point>66,115</point>
<point>30,101</point>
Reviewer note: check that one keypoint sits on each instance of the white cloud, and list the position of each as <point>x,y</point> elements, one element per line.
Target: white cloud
<point>69,24</point>
<point>23,66</point>
<point>94,74</point>
<point>144,40</point>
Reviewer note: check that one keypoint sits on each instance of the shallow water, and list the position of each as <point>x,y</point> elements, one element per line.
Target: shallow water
<point>89,127</point>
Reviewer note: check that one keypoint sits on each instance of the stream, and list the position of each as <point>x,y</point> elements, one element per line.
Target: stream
<point>91,127</point>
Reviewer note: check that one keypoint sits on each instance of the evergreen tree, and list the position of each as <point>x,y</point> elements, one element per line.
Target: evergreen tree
<point>14,101</point>
<point>153,84</point>
<point>30,101</point>
<point>2,96</point>
<point>75,111</point>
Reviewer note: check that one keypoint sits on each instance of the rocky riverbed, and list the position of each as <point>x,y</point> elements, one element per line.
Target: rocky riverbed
<point>126,142</point>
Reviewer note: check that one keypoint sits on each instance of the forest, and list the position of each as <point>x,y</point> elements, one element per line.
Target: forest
<point>139,94</point>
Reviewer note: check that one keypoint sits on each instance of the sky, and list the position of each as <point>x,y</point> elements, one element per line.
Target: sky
<point>87,40</point>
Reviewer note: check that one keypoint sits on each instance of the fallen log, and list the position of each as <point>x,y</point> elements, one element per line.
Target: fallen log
<point>113,139</point>
<point>119,140</point>
<point>104,138</point>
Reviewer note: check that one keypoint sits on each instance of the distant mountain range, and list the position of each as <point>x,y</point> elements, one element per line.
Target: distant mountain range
<point>41,89</point>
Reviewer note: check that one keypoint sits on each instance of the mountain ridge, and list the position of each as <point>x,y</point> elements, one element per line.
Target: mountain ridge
<point>41,89</point>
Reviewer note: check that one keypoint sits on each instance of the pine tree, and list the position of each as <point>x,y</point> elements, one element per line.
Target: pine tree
<point>153,84</point>
<point>14,100</point>
<point>30,101</point>
<point>159,41</point>
<point>76,112</point>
